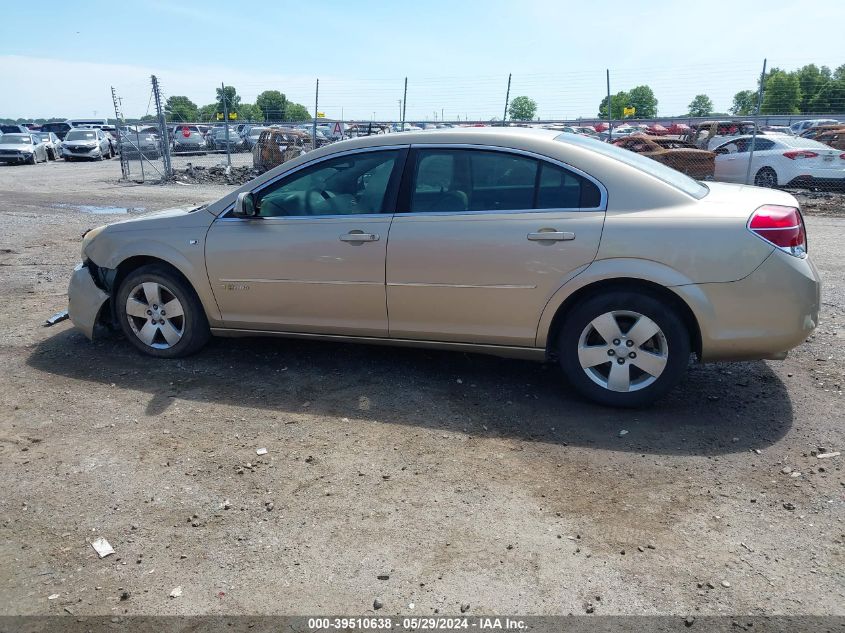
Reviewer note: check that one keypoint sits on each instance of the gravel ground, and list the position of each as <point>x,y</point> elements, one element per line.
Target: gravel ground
<point>433,478</point>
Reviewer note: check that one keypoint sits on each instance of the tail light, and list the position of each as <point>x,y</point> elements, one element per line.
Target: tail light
<point>800,153</point>
<point>842,156</point>
<point>781,226</point>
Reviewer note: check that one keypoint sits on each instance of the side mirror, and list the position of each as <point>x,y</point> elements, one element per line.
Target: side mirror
<point>245,205</point>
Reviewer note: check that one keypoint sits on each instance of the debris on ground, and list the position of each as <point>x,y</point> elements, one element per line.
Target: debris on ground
<point>377,604</point>
<point>177,591</point>
<point>828,455</point>
<point>826,203</point>
<point>57,318</point>
<point>214,175</point>
<point>102,547</point>
<point>260,451</point>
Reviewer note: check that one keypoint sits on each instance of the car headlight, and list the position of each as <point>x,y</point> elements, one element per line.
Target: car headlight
<point>88,237</point>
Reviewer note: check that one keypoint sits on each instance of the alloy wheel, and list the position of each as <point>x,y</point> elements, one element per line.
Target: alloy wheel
<point>155,315</point>
<point>623,351</point>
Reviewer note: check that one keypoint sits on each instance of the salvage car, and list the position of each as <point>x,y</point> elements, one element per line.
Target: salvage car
<point>52,143</point>
<point>86,143</point>
<point>710,134</point>
<point>509,241</point>
<point>278,145</point>
<point>136,145</point>
<point>685,157</point>
<point>780,161</point>
<point>22,148</point>
<point>833,138</point>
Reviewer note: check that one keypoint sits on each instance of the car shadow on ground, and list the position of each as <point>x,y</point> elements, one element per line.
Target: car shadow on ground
<point>717,409</point>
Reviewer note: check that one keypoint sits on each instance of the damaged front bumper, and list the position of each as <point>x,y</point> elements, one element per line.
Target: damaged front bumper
<point>85,300</point>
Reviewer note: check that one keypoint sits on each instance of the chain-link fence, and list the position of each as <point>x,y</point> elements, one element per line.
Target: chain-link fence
<point>741,137</point>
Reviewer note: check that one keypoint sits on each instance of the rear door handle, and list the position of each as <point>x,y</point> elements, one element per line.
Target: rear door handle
<point>551,236</point>
<point>359,236</point>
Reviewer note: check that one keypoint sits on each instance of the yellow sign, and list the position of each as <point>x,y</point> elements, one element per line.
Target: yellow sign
<point>629,111</point>
<point>321,115</point>
<point>233,116</point>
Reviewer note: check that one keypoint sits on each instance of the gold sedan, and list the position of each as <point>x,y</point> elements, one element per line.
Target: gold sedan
<point>509,241</point>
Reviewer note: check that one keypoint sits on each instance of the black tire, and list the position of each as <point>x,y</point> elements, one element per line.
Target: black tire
<point>32,160</point>
<point>766,177</point>
<point>676,338</point>
<point>194,324</point>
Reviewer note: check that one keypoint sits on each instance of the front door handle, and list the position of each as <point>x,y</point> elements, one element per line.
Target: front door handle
<point>551,235</point>
<point>359,236</point>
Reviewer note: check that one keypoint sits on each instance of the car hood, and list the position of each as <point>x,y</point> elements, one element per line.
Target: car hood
<point>17,146</point>
<point>81,142</point>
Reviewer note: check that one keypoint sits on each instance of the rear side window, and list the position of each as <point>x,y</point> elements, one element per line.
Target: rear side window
<point>449,181</point>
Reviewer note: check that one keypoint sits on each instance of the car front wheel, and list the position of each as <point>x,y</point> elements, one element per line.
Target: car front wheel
<point>623,349</point>
<point>160,313</point>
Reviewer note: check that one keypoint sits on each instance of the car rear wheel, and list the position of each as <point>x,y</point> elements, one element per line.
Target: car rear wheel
<point>623,349</point>
<point>161,314</point>
<point>766,177</point>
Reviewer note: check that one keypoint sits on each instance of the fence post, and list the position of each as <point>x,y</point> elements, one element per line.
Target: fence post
<point>162,126</point>
<point>316,106</point>
<point>226,122</point>
<point>507,98</point>
<point>609,109</point>
<point>756,123</point>
<point>404,103</point>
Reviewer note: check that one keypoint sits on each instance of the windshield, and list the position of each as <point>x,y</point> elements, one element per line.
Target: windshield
<point>16,138</point>
<point>643,163</point>
<point>81,135</point>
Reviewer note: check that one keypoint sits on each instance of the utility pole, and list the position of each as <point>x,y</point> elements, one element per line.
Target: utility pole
<point>316,105</point>
<point>756,118</point>
<point>118,117</point>
<point>404,103</point>
<point>162,126</point>
<point>507,98</point>
<point>226,122</point>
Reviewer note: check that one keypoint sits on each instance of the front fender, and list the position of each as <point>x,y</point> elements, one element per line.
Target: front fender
<point>190,262</point>
<point>604,270</point>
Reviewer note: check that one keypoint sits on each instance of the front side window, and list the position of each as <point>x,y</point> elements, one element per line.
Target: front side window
<point>454,181</point>
<point>348,185</point>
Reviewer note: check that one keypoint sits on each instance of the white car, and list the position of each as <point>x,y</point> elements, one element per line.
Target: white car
<point>780,160</point>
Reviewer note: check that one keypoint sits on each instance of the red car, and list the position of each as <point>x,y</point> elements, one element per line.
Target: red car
<point>657,130</point>
<point>678,129</point>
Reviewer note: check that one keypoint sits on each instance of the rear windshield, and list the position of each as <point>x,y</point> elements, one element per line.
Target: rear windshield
<point>643,163</point>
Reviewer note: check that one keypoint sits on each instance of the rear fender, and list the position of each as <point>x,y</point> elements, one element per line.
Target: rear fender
<point>605,270</point>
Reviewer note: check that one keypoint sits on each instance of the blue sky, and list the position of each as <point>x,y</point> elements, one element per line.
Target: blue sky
<point>456,55</point>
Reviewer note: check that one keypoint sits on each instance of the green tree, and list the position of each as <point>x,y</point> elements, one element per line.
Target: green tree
<point>522,108</point>
<point>839,73</point>
<point>233,100</point>
<point>745,102</point>
<point>297,112</point>
<point>830,98</point>
<point>208,111</point>
<point>811,79</point>
<point>619,101</point>
<point>179,108</point>
<point>701,105</point>
<point>782,94</point>
<point>250,112</point>
<point>642,98</point>
<point>272,104</point>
